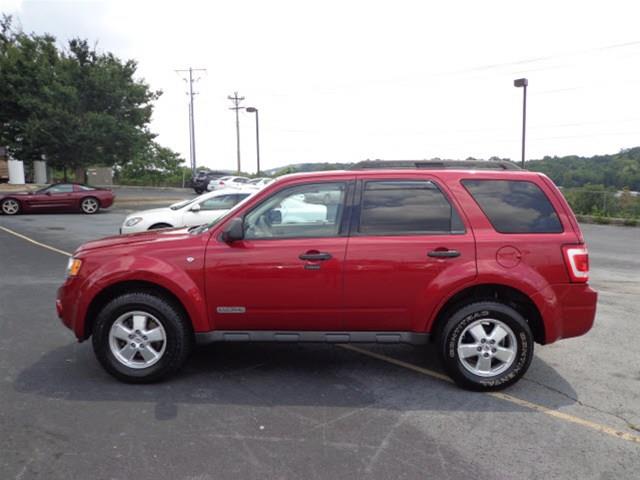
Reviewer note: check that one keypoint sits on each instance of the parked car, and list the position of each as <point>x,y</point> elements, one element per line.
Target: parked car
<point>480,263</point>
<point>202,179</point>
<point>59,197</point>
<point>188,213</point>
<point>227,182</point>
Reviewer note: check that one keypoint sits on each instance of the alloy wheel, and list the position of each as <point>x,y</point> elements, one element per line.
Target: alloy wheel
<point>89,205</point>
<point>137,339</point>
<point>10,207</point>
<point>487,347</point>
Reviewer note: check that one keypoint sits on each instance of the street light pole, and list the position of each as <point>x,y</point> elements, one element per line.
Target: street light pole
<point>523,82</point>
<point>255,110</point>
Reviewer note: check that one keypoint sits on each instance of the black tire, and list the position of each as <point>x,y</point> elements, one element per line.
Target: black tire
<point>10,206</point>
<point>178,336</point>
<point>90,205</point>
<point>198,190</point>
<point>488,314</point>
<point>158,226</point>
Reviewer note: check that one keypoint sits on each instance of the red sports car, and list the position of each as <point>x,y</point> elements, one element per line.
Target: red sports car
<point>59,197</point>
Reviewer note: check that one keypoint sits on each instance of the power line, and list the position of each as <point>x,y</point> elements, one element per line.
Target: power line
<point>236,106</point>
<point>192,133</point>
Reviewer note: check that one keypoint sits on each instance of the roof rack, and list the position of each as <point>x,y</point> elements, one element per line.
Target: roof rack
<point>436,164</point>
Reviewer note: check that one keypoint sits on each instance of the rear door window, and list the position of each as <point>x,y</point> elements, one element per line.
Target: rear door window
<point>514,206</point>
<point>406,207</point>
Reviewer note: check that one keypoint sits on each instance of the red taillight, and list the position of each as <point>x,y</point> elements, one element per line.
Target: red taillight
<point>577,260</point>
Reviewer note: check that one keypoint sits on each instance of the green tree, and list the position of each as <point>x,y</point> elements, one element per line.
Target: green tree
<point>78,107</point>
<point>153,165</point>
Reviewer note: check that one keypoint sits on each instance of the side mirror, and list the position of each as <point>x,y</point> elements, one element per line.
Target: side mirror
<point>195,208</point>
<point>274,217</point>
<point>234,231</point>
<point>47,193</point>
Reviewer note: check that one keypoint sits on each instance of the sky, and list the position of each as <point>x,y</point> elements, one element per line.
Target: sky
<point>342,81</point>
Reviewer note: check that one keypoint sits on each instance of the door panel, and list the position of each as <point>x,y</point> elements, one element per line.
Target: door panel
<point>287,273</point>
<point>409,247</point>
<point>391,283</point>
<point>264,285</point>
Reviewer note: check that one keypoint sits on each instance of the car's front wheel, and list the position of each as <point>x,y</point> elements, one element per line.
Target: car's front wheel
<point>89,205</point>
<point>486,346</point>
<point>9,206</point>
<point>141,337</point>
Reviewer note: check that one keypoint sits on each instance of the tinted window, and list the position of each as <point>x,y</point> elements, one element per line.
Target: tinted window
<point>313,210</point>
<point>85,187</point>
<point>406,207</point>
<point>514,206</point>
<point>61,188</point>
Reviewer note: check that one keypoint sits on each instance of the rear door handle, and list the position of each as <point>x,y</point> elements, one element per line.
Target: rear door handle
<point>443,253</point>
<point>315,256</point>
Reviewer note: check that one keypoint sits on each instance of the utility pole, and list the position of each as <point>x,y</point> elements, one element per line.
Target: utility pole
<point>192,132</point>
<point>236,106</point>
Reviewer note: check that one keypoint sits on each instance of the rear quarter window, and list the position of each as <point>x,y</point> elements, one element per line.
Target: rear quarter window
<point>514,206</point>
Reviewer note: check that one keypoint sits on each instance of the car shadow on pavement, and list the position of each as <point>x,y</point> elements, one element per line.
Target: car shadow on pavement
<point>285,375</point>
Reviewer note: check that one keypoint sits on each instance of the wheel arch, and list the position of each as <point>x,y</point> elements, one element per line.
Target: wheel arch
<point>513,297</point>
<point>20,205</point>
<point>116,289</point>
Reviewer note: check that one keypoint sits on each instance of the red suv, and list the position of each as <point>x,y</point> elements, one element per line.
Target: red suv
<point>480,259</point>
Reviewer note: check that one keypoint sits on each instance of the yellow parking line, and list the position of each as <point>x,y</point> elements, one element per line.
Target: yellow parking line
<point>31,240</point>
<point>502,396</point>
<point>506,397</point>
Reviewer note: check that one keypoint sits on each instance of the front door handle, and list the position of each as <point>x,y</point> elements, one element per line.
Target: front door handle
<point>443,253</point>
<point>315,256</point>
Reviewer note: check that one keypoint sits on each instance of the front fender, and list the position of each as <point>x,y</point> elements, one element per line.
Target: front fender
<point>185,284</point>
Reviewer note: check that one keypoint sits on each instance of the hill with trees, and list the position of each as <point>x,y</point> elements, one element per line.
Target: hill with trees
<point>617,170</point>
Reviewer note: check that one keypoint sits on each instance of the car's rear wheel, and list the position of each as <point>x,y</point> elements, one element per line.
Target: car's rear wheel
<point>486,346</point>
<point>198,190</point>
<point>141,337</point>
<point>10,206</point>
<point>89,205</point>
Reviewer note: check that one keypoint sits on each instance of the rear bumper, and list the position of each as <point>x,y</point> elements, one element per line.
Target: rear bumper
<point>570,311</point>
<point>107,202</point>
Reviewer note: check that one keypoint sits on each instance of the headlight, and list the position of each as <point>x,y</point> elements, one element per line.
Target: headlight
<point>132,221</point>
<point>73,267</point>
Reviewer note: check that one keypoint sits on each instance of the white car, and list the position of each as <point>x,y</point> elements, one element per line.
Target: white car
<point>227,182</point>
<point>188,213</point>
<point>258,182</point>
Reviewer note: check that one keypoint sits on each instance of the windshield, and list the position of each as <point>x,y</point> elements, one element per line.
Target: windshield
<point>184,203</point>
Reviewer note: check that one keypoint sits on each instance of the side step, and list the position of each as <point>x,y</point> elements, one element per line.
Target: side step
<point>308,336</point>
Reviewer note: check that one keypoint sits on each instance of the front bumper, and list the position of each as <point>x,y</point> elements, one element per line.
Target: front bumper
<point>67,307</point>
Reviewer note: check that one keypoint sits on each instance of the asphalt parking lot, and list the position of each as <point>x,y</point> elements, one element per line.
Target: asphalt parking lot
<point>308,411</point>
